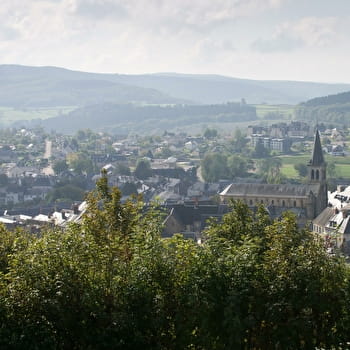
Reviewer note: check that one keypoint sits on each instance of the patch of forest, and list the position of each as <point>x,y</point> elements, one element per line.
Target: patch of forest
<point>331,109</point>
<point>124,118</point>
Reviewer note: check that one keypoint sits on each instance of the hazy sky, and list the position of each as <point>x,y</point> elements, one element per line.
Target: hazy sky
<point>262,39</point>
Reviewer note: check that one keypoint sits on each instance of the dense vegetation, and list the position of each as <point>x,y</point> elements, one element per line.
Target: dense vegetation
<point>330,109</point>
<point>111,282</point>
<point>121,119</point>
<point>23,86</point>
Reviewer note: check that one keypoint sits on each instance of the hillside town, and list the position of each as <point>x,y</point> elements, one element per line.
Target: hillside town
<point>45,176</point>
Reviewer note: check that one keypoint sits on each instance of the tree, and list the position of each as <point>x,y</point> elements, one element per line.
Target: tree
<point>210,133</point>
<point>60,166</point>
<point>301,168</point>
<point>270,169</point>
<point>237,166</point>
<point>122,169</point>
<point>143,169</point>
<point>260,151</point>
<point>239,141</point>
<point>214,167</point>
<point>111,282</point>
<point>129,188</point>
<point>80,163</point>
<point>331,169</point>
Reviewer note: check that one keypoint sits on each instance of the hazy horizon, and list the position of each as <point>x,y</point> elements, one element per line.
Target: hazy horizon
<point>248,39</point>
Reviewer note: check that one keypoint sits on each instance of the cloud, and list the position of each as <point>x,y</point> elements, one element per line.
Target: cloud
<point>100,9</point>
<point>309,32</point>
<point>8,33</point>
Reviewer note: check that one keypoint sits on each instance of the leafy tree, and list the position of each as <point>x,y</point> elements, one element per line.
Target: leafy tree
<point>260,151</point>
<point>331,169</point>
<point>60,166</point>
<point>122,169</point>
<point>210,133</point>
<point>214,167</point>
<point>143,169</point>
<point>80,163</point>
<point>239,141</point>
<point>129,188</point>
<point>237,166</point>
<point>301,168</point>
<point>112,282</point>
<point>270,169</point>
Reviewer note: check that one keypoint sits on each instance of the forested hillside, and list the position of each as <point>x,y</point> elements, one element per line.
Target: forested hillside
<point>25,86</point>
<point>111,282</point>
<point>126,118</point>
<point>331,109</point>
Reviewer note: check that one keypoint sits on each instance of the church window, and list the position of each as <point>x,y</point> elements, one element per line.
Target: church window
<point>261,201</point>
<point>272,202</point>
<point>283,203</point>
<point>317,174</point>
<point>295,203</point>
<point>250,202</point>
<point>312,174</point>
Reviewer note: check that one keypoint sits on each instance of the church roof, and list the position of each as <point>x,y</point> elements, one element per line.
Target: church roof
<point>269,190</point>
<point>317,154</point>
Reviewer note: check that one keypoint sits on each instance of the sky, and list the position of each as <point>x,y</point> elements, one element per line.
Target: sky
<point>258,39</point>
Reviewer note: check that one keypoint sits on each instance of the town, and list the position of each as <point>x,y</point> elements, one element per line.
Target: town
<point>45,176</point>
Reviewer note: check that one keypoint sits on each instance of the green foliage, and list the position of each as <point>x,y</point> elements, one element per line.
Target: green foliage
<point>301,168</point>
<point>210,133</point>
<point>80,163</point>
<point>260,151</point>
<point>237,166</point>
<point>112,282</point>
<point>122,169</point>
<point>59,166</point>
<point>214,167</point>
<point>143,169</point>
<point>270,169</point>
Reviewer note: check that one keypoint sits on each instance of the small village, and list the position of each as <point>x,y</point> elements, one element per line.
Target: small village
<point>45,176</point>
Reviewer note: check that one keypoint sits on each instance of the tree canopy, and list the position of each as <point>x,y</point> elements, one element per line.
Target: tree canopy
<point>112,282</point>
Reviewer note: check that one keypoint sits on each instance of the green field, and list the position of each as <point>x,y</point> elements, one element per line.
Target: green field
<point>342,165</point>
<point>9,115</point>
<point>287,111</point>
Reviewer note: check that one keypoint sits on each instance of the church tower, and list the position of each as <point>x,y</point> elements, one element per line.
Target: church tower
<point>317,175</point>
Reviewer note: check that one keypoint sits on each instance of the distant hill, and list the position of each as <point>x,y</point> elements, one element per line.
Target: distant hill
<point>329,109</point>
<point>341,98</point>
<point>122,119</point>
<point>220,89</point>
<point>22,86</point>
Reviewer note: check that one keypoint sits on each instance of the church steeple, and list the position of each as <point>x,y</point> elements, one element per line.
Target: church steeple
<point>317,154</point>
<point>317,165</point>
<point>317,176</point>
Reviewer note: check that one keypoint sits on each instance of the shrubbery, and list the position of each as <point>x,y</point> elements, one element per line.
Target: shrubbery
<point>112,282</point>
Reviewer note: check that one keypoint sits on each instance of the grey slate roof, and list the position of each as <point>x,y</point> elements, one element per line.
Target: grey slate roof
<point>269,190</point>
<point>317,154</point>
<point>324,217</point>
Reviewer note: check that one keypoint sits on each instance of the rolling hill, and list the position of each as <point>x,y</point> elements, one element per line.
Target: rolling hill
<point>329,109</point>
<point>23,86</point>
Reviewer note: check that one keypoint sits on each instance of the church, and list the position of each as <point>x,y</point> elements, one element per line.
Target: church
<point>307,201</point>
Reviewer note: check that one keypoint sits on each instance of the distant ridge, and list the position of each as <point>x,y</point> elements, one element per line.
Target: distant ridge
<point>340,98</point>
<point>25,86</point>
<point>328,109</point>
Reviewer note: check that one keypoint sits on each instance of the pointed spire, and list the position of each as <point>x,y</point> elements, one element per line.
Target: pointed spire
<point>317,154</point>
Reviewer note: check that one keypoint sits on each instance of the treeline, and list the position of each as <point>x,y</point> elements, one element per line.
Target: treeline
<point>337,113</point>
<point>331,109</point>
<point>128,117</point>
<point>111,282</point>
<point>342,98</point>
